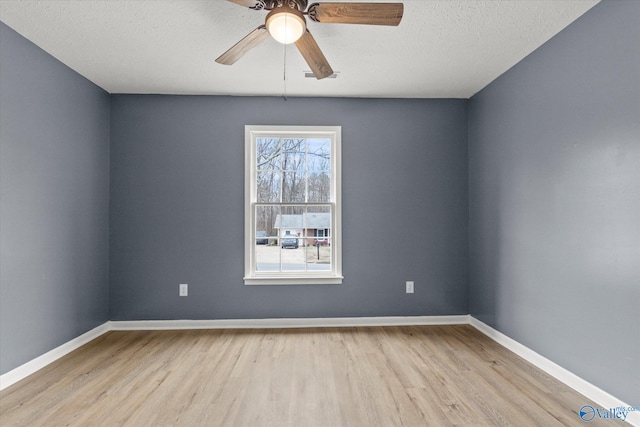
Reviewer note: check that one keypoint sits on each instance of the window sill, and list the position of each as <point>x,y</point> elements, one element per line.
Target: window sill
<point>320,280</point>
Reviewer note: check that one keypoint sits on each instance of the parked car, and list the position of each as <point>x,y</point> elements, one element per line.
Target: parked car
<point>261,238</point>
<point>289,241</point>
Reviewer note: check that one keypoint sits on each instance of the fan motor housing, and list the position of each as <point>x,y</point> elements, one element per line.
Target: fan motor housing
<point>300,5</point>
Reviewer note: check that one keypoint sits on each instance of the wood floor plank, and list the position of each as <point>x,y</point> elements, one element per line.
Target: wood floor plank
<point>358,376</point>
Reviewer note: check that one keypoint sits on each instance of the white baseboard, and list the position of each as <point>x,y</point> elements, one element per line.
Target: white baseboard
<point>286,323</point>
<point>580,385</point>
<point>40,362</point>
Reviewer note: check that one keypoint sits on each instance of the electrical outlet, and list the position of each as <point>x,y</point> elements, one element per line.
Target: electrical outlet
<point>184,289</point>
<point>409,286</point>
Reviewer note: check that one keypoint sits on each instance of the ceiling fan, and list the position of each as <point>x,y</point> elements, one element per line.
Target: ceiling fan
<point>286,23</point>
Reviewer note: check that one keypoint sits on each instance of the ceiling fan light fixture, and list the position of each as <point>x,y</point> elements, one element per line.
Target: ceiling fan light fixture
<point>286,24</point>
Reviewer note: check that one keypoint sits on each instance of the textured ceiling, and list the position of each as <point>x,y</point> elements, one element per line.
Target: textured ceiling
<point>442,49</point>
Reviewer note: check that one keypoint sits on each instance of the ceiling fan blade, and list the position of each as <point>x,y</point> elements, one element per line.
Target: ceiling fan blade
<point>254,4</point>
<point>313,55</point>
<point>238,50</point>
<point>357,13</point>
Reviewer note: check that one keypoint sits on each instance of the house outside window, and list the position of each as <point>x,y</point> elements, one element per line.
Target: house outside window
<point>292,205</point>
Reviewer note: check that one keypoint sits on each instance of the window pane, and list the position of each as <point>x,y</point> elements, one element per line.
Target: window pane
<point>294,154</point>
<point>267,255</point>
<point>319,154</point>
<point>318,187</point>
<point>268,184</point>
<point>293,187</point>
<point>268,153</point>
<point>292,240</point>
<point>266,217</point>
<point>317,223</point>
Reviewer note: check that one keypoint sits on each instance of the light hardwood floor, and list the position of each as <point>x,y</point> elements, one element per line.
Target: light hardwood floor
<point>382,376</point>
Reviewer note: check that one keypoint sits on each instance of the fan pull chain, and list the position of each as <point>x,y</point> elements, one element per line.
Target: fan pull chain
<point>284,74</point>
<point>284,68</point>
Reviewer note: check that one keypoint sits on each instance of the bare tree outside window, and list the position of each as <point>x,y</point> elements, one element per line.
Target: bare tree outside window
<point>291,171</point>
<point>294,175</point>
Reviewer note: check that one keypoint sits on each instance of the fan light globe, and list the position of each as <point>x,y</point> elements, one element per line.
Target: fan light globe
<point>286,25</point>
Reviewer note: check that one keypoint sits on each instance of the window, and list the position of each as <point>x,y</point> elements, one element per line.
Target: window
<point>292,205</point>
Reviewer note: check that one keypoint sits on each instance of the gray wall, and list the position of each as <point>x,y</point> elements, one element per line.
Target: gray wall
<point>54,184</point>
<point>177,173</point>
<point>554,150</point>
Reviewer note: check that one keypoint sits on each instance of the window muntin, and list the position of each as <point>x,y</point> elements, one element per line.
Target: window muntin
<point>292,196</point>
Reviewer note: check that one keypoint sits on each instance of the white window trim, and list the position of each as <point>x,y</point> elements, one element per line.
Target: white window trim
<point>253,277</point>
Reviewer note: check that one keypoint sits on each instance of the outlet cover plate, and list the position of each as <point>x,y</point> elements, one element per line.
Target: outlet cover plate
<point>409,286</point>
